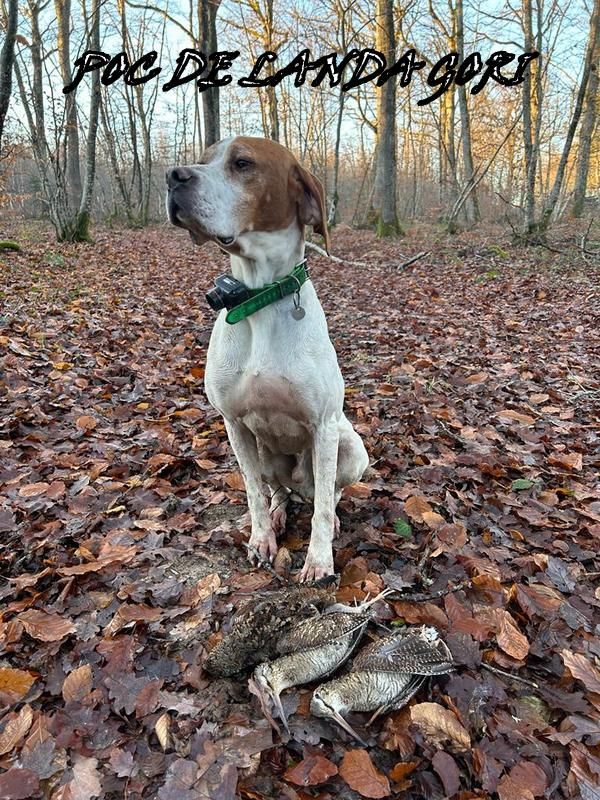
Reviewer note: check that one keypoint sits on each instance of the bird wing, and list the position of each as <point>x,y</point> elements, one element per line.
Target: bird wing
<point>321,630</point>
<point>402,652</point>
<point>409,691</point>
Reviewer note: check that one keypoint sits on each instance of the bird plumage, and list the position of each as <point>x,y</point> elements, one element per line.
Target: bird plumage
<point>313,648</point>
<point>384,676</point>
<point>257,629</point>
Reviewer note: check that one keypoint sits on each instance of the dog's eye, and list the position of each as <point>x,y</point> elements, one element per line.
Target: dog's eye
<point>242,163</point>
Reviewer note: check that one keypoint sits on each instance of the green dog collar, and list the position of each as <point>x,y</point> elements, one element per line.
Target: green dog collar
<point>261,298</point>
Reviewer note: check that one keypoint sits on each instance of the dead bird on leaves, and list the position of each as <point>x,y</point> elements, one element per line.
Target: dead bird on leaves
<point>257,629</point>
<point>313,649</point>
<point>384,676</point>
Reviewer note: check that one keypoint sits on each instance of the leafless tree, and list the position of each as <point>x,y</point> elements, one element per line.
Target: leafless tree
<point>6,62</point>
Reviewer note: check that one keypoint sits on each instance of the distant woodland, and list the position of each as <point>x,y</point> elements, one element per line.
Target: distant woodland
<point>527,154</point>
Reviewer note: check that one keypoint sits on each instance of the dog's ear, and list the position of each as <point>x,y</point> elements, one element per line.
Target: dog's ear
<point>311,202</point>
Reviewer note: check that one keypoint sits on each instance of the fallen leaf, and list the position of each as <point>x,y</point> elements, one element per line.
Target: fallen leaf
<point>508,789</point>
<point>530,776</point>
<point>416,506</point>
<point>86,423</point>
<point>439,725</point>
<point>33,489</point>
<point>570,461</point>
<point>86,779</point>
<point>45,627</point>
<point>446,768</point>
<point>18,784</point>
<point>162,728</point>
<point>311,771</point>
<point>510,638</point>
<point>78,684</point>
<point>360,774</point>
<point>515,416</point>
<point>582,669</point>
<point>15,729</point>
<point>15,682</point>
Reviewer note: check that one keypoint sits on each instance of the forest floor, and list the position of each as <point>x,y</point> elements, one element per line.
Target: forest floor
<point>473,377</point>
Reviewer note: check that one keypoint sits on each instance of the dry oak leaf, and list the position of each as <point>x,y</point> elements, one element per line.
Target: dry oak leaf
<point>235,481</point>
<point>86,779</point>
<point>45,627</point>
<point>161,729</point>
<point>509,414</point>
<point>15,682</point>
<point>15,729</point>
<point>530,776</point>
<point>572,461</point>
<point>433,520</point>
<point>438,725</point>
<point>446,768</point>
<point>86,423</point>
<point>416,506</point>
<point>582,669</point>
<point>33,489</point>
<point>510,638</point>
<point>78,684</point>
<point>311,771</point>
<point>206,586</point>
<point>360,774</point>
<point>19,784</point>
<point>120,556</point>
<point>508,789</point>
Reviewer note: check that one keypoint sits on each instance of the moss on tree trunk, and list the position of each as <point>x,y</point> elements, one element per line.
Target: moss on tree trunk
<point>76,229</point>
<point>388,229</point>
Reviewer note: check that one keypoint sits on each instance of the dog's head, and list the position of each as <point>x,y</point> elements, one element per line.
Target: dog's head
<point>242,186</point>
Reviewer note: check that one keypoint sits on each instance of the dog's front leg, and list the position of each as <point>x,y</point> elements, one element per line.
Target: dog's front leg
<point>319,559</point>
<point>244,446</point>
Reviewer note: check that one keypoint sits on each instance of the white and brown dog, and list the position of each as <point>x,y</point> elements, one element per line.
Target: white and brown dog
<point>273,376</point>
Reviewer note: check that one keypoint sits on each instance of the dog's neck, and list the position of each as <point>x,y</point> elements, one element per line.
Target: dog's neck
<point>267,256</point>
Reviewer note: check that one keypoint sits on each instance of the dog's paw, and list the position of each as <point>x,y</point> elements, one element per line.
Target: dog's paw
<point>262,547</point>
<point>279,518</point>
<point>317,565</point>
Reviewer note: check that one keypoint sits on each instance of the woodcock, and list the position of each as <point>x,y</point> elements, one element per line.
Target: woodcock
<point>257,629</point>
<point>313,649</point>
<point>384,676</point>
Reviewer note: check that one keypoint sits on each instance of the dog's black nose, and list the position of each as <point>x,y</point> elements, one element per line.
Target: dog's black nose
<point>178,175</point>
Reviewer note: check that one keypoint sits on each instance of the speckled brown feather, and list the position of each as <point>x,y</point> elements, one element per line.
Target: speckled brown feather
<point>315,632</point>
<point>407,652</point>
<point>384,676</point>
<point>257,629</point>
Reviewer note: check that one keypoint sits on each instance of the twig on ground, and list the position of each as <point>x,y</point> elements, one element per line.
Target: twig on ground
<point>402,265</point>
<point>509,675</point>
<point>421,597</point>
<point>412,260</point>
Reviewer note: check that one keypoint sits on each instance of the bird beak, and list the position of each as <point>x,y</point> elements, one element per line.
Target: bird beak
<point>259,690</point>
<point>266,691</point>
<point>277,703</point>
<point>347,727</point>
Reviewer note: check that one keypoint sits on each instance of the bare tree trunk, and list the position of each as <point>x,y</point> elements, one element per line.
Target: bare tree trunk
<point>208,44</point>
<point>385,181</point>
<point>530,151</point>
<point>7,55</point>
<point>588,123</point>
<point>544,222</point>
<point>73,173</point>
<point>333,205</point>
<point>82,226</point>
<point>471,203</point>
